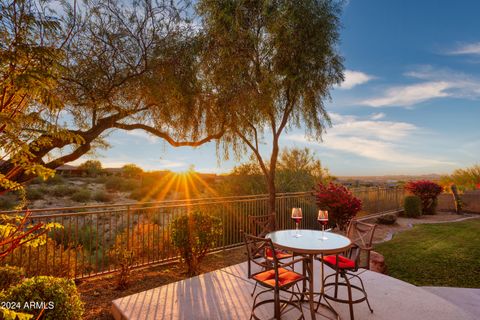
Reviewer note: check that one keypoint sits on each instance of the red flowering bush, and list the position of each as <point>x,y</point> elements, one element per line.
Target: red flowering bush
<point>427,191</point>
<point>341,204</point>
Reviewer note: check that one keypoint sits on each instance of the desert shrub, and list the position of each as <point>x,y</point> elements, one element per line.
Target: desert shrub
<point>193,235</point>
<point>100,179</point>
<point>91,167</point>
<point>82,195</point>
<point>62,190</point>
<point>123,260</point>
<point>51,259</point>
<point>341,204</point>
<point>85,236</point>
<point>60,296</point>
<point>427,191</point>
<point>8,201</point>
<point>36,180</point>
<point>146,240</point>
<point>144,194</point>
<point>388,218</point>
<point>102,196</point>
<point>132,170</point>
<point>120,184</point>
<point>412,206</point>
<point>10,275</point>
<point>56,179</point>
<point>34,193</point>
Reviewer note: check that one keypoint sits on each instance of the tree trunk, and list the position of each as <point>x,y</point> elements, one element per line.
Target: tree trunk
<point>456,199</point>
<point>271,193</point>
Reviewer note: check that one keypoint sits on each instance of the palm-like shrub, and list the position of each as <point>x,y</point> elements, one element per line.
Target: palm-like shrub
<point>193,235</point>
<point>341,204</point>
<point>427,191</point>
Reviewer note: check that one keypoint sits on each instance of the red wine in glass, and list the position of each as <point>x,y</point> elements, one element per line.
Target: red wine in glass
<point>297,218</point>
<point>323,221</point>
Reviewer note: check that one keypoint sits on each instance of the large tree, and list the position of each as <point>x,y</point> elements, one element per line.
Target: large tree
<point>31,49</point>
<point>130,67</point>
<point>271,63</point>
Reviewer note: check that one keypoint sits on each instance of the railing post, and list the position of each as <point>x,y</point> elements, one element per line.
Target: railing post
<point>128,228</point>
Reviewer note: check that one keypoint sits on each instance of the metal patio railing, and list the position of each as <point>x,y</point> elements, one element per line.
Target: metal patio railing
<point>93,236</point>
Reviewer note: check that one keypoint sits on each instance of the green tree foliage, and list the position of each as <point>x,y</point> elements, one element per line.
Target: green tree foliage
<point>132,170</point>
<point>193,235</point>
<point>464,179</point>
<point>140,75</point>
<point>246,178</point>
<point>91,167</point>
<point>31,48</point>
<point>271,64</point>
<point>297,170</point>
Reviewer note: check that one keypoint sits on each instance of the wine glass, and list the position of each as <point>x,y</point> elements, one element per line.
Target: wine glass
<point>297,217</point>
<point>323,220</point>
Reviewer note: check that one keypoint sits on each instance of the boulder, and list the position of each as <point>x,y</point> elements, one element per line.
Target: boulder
<point>377,262</point>
<point>387,218</point>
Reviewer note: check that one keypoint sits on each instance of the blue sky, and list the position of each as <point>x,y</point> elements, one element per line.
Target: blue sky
<point>410,103</point>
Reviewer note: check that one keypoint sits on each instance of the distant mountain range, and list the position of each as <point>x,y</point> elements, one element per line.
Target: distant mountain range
<point>432,176</point>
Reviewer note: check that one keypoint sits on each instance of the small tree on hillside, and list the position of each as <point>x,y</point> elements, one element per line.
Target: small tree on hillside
<point>299,170</point>
<point>464,179</point>
<point>132,170</point>
<point>91,167</point>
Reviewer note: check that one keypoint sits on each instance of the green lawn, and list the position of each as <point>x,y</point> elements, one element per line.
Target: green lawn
<point>446,254</point>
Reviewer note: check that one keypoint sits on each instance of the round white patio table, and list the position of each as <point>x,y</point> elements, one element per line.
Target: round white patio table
<point>310,244</point>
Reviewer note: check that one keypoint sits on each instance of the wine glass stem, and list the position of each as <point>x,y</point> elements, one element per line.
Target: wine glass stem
<point>323,230</point>
<point>297,226</point>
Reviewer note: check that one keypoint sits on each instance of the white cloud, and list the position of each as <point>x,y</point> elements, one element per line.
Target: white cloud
<point>437,83</point>
<point>377,116</point>
<point>377,140</point>
<point>409,95</point>
<point>354,78</point>
<point>143,135</point>
<point>169,164</point>
<point>466,49</point>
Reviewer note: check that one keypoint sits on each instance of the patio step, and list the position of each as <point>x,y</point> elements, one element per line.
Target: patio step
<point>467,299</point>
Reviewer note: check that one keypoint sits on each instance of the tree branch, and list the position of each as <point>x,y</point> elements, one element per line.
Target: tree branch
<point>167,137</point>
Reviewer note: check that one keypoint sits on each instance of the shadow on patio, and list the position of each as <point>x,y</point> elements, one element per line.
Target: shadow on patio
<point>225,294</point>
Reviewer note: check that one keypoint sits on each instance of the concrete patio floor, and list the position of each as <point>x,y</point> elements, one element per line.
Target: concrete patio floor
<point>225,294</point>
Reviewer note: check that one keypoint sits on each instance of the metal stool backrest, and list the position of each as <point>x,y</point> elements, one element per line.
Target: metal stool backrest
<point>361,234</point>
<point>256,247</point>
<point>260,226</point>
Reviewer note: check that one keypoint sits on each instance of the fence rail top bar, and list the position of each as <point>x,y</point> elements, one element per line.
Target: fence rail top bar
<point>159,203</point>
<point>138,204</point>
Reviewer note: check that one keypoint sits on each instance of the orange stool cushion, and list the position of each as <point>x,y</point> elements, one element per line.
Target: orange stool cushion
<point>343,263</point>
<point>280,254</point>
<point>284,277</point>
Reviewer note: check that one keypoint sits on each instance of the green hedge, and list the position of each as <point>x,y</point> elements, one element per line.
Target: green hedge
<point>10,275</point>
<point>58,295</point>
<point>412,206</point>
